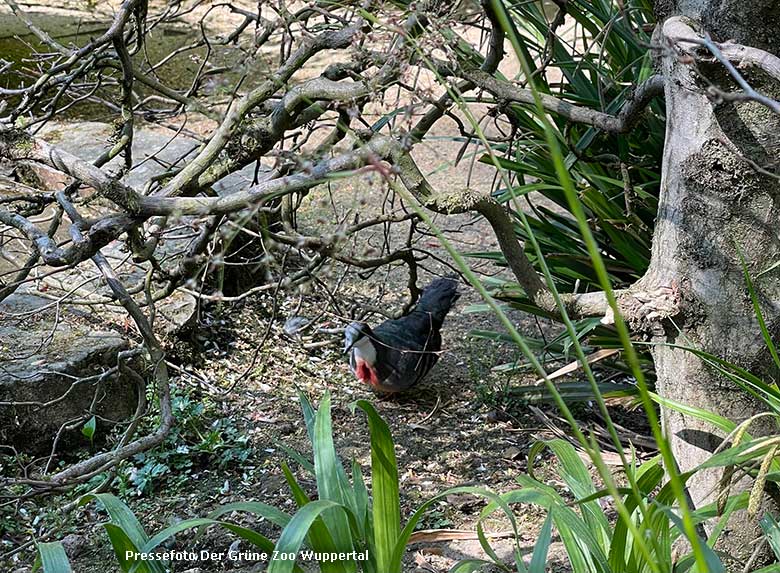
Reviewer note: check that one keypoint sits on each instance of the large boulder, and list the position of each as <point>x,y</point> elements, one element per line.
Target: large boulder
<point>51,359</point>
<point>154,150</point>
<point>52,351</point>
<point>48,345</point>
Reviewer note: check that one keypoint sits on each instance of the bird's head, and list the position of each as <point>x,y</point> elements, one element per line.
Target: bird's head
<point>359,344</point>
<point>357,335</point>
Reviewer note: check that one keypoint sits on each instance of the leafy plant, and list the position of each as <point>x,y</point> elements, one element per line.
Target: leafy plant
<point>202,436</point>
<point>346,517</point>
<point>355,520</point>
<point>616,176</point>
<point>626,500</point>
<point>88,429</point>
<point>581,519</point>
<point>52,558</point>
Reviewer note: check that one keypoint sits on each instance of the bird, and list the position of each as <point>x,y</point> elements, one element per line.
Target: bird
<point>398,353</point>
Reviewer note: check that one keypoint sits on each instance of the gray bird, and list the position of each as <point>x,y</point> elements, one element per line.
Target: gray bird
<point>399,352</point>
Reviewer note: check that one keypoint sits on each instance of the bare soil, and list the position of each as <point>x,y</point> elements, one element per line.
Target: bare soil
<point>450,430</point>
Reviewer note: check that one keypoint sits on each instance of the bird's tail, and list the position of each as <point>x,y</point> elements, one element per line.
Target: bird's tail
<point>437,299</point>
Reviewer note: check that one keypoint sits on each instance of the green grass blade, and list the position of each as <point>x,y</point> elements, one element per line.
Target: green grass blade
<point>583,548</point>
<point>542,546</point>
<point>712,563</point>
<point>769,394</point>
<point>361,500</point>
<point>330,484</point>
<point>320,537</point>
<point>247,534</point>
<point>630,353</point>
<point>468,566</point>
<point>297,456</point>
<point>309,415</point>
<point>124,531</point>
<point>122,545</point>
<point>723,424</point>
<point>258,540</point>
<point>291,539</point>
<point>757,309</point>
<point>578,480</point>
<point>120,515</point>
<point>299,495</point>
<point>650,475</point>
<point>384,487</point>
<point>52,558</point>
<point>772,532</point>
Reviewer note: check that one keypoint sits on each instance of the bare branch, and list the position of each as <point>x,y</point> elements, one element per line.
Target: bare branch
<point>623,122</point>
<point>746,56</point>
<point>679,33</point>
<point>238,110</point>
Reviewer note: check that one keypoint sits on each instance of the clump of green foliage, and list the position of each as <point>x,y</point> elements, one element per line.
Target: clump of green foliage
<point>201,437</point>
<point>346,516</point>
<point>616,176</point>
<point>349,517</point>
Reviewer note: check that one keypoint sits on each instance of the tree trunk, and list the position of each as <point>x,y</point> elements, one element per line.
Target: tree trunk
<point>712,201</point>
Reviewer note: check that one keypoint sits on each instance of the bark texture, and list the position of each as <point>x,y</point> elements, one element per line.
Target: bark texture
<point>712,204</point>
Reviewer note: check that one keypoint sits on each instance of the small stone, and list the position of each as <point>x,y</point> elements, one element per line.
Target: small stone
<point>295,324</point>
<point>511,453</point>
<point>74,544</point>
<point>285,428</point>
<point>463,502</point>
<point>495,416</point>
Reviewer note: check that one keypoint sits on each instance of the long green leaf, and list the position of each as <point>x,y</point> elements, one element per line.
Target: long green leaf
<point>578,480</point>
<point>757,309</point>
<point>384,488</point>
<point>320,538</point>
<point>125,531</point>
<point>772,532</point>
<point>330,481</point>
<point>296,531</point>
<point>53,558</point>
<point>542,546</point>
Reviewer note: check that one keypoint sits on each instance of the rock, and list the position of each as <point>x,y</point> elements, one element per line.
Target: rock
<point>464,502</point>
<point>74,544</point>
<point>46,345</point>
<point>88,139</point>
<point>285,428</point>
<point>511,453</point>
<point>177,312</point>
<point>496,416</point>
<point>44,349</point>
<point>295,324</point>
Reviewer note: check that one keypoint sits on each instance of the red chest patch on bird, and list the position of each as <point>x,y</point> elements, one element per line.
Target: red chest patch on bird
<point>365,373</point>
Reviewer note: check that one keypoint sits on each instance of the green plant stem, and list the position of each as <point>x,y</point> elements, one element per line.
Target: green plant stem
<point>598,263</point>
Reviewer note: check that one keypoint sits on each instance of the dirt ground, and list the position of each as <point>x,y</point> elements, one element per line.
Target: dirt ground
<point>455,428</point>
